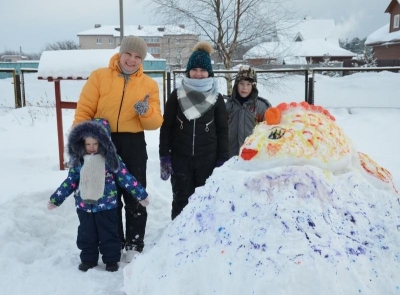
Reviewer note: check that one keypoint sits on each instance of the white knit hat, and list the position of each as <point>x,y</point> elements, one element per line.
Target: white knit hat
<point>133,43</point>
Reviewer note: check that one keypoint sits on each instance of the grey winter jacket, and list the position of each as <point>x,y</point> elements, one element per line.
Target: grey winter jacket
<point>243,118</point>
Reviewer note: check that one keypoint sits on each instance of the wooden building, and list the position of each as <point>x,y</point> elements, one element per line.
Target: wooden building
<point>386,40</point>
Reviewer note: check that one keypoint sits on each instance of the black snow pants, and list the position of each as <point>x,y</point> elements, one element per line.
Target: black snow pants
<point>131,147</point>
<point>188,173</point>
<point>98,231</point>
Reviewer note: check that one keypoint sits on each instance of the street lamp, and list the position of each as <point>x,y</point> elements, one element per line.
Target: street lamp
<point>121,21</point>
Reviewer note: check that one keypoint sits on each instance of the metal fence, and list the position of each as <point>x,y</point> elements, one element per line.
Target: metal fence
<point>270,83</point>
<point>276,85</point>
<point>316,85</point>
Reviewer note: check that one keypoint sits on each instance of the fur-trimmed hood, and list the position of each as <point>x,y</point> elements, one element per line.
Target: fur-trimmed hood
<point>100,130</point>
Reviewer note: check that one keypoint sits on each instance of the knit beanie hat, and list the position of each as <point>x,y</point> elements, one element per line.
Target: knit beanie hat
<point>133,43</point>
<point>201,58</point>
<point>246,73</point>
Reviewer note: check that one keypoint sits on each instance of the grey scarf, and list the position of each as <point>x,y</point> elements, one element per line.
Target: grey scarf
<point>197,96</point>
<point>92,178</point>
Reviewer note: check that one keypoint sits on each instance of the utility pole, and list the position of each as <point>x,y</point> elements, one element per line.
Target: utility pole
<point>121,21</point>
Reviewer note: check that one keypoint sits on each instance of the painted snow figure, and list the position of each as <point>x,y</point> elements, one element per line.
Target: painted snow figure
<point>305,213</point>
<point>303,134</point>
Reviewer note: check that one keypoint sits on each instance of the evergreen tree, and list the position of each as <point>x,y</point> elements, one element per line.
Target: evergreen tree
<point>327,63</point>
<point>369,59</point>
<point>354,45</point>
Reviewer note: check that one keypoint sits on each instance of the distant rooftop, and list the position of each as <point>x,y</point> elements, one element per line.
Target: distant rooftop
<point>382,36</point>
<point>13,55</point>
<point>307,29</point>
<point>138,30</point>
<point>76,64</point>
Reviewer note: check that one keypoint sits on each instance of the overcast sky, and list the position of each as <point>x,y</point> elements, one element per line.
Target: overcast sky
<point>32,24</point>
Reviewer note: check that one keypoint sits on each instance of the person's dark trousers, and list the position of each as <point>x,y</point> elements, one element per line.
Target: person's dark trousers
<point>131,147</point>
<point>189,173</point>
<point>98,231</point>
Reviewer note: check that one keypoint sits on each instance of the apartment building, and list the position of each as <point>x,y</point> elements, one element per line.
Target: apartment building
<point>169,42</point>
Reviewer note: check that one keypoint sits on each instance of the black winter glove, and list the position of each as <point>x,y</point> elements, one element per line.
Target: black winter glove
<point>165,167</point>
<point>219,163</point>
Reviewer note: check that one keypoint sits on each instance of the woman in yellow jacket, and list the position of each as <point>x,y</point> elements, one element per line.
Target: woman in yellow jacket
<point>129,100</point>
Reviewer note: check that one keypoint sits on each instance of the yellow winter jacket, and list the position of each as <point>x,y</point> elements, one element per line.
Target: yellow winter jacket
<point>107,95</point>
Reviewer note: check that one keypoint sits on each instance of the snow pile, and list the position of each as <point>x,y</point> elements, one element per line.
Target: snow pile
<point>301,229</point>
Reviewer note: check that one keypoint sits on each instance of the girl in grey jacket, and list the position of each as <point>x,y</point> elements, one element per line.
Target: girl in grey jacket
<point>245,108</point>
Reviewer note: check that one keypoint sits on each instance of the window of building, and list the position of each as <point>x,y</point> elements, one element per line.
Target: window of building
<point>110,41</point>
<point>396,21</point>
<point>152,40</point>
<point>98,41</point>
<point>154,50</point>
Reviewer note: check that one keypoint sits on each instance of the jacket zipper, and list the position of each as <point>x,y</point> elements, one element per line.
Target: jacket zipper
<point>120,106</point>
<point>194,135</point>
<point>194,130</point>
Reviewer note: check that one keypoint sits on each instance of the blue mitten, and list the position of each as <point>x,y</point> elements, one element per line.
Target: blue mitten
<point>165,167</point>
<point>141,107</point>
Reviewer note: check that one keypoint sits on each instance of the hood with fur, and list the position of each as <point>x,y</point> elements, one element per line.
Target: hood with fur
<point>100,130</point>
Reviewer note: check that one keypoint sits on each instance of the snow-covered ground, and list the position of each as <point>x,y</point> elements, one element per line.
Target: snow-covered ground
<point>38,253</point>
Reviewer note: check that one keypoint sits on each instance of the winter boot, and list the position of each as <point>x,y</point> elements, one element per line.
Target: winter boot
<point>85,266</point>
<point>112,266</point>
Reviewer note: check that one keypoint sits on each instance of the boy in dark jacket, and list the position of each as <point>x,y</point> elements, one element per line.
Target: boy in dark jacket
<point>94,170</point>
<point>245,108</point>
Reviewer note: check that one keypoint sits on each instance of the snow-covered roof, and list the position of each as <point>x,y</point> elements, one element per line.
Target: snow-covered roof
<point>316,29</point>
<point>307,48</point>
<point>307,29</point>
<point>13,56</point>
<point>137,30</point>
<point>75,64</point>
<point>382,35</point>
<point>317,39</point>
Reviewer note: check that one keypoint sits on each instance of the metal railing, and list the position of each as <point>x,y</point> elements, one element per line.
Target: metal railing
<point>19,86</point>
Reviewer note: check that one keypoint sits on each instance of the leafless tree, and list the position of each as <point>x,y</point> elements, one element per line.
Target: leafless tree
<point>62,45</point>
<point>228,24</point>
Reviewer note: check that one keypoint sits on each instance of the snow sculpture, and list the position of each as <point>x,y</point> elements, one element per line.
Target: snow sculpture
<point>300,211</point>
<point>303,134</point>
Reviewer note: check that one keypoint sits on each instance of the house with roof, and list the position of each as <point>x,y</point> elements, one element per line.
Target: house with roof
<point>13,57</point>
<point>306,42</point>
<point>386,40</point>
<point>170,42</point>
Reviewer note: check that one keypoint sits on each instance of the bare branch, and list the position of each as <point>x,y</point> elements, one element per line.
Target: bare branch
<point>232,26</point>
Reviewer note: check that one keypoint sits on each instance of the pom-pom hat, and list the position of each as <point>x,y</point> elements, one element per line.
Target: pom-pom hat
<point>201,58</point>
<point>133,43</point>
